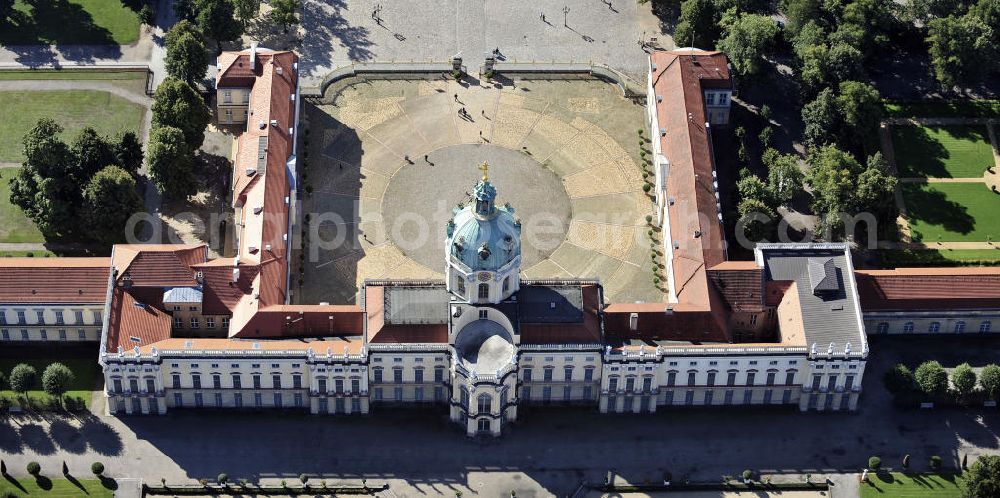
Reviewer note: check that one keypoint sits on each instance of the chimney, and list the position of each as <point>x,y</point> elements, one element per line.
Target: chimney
<point>236,274</point>
<point>633,322</point>
<point>253,56</point>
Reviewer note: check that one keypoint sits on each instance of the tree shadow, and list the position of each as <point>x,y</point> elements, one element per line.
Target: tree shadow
<point>36,439</point>
<point>326,28</point>
<point>100,437</point>
<point>10,441</point>
<point>54,22</point>
<point>75,482</point>
<point>934,208</point>
<point>918,154</point>
<point>67,437</point>
<point>108,483</point>
<point>43,482</point>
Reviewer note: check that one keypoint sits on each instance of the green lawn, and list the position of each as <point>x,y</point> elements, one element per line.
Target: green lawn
<point>899,485</point>
<point>86,373</point>
<point>69,74</point>
<point>27,254</point>
<point>73,109</point>
<point>956,108</point>
<point>954,151</point>
<point>14,225</point>
<point>942,257</point>
<point>96,22</point>
<point>56,488</point>
<point>952,212</point>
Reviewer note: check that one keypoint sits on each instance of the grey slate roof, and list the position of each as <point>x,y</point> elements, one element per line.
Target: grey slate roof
<point>826,289</point>
<point>550,304</point>
<point>182,295</point>
<point>416,305</point>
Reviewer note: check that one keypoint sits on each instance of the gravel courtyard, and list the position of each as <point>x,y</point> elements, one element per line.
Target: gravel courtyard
<point>388,160</point>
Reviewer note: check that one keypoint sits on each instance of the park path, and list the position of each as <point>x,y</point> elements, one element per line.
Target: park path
<point>50,85</point>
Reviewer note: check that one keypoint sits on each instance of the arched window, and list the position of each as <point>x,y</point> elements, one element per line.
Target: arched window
<point>935,327</point>
<point>461,285</point>
<point>985,326</point>
<point>484,291</point>
<point>908,328</point>
<point>465,398</point>
<point>485,402</point>
<point>959,327</point>
<point>882,328</point>
<point>506,283</point>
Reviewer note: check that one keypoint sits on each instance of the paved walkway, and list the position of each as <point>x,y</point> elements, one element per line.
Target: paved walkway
<point>49,85</point>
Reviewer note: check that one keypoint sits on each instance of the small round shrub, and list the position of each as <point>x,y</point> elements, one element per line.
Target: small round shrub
<point>747,474</point>
<point>646,187</point>
<point>97,468</point>
<point>874,462</point>
<point>34,468</point>
<point>649,218</point>
<point>935,462</point>
<point>222,479</point>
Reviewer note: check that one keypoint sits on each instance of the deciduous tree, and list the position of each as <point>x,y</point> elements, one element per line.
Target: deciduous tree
<point>187,56</point>
<point>283,13</point>
<point>23,378</point>
<point>982,480</point>
<point>171,163</point>
<point>745,39</point>
<point>932,379</point>
<point>217,19</point>
<point>961,49</point>
<point>56,379</point>
<point>110,198</point>
<point>177,104</point>
<point>697,26</point>
<point>989,380</point>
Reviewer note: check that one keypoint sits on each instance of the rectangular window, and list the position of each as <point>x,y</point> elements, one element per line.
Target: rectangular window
<point>588,374</point>
<point>831,383</point>
<point>178,400</point>
<point>770,378</point>
<point>117,385</point>
<point>256,381</point>
<point>217,382</point>
<point>297,399</point>
<point>418,394</point>
<point>817,379</point>
<point>630,384</point>
<point>790,378</point>
<point>78,317</point>
<point>3,317</point>
<point>708,397</point>
<point>691,378</point>
<point>786,396</point>
<point>438,374</point>
<point>210,322</point>
<point>711,379</point>
<point>527,375</point>
<point>199,400</point>
<point>62,334</point>
<point>24,335</point>
<point>321,385</point>
<point>767,397</point>
<point>227,97</point>
<point>44,334</point>
<point>356,385</point>
<point>547,374</point>
<point>338,385</point>
<point>194,323</point>
<point>296,382</point>
<point>526,393</point>
<point>258,400</point>
<point>398,394</point>
<point>418,375</point>
<point>568,374</point>
<point>547,394</point>
<point>647,384</point>
<point>276,381</point>
<point>196,381</point>
<point>731,379</point>
<point>81,334</point>
<point>225,322</point>
<point>150,386</point>
<point>378,394</point>
<point>588,392</point>
<point>39,316</point>
<point>750,378</point>
<point>278,400</point>
<point>60,319</point>
<point>484,314</point>
<point>6,334</point>
<point>612,384</point>
<point>218,400</point>
<point>176,381</point>
<point>339,406</point>
<point>567,393</point>
<point>728,397</point>
<point>438,393</point>
<point>709,98</point>
<point>238,400</point>
<point>397,375</point>
<point>747,396</point>
<point>629,403</point>
<point>671,378</point>
<point>848,382</point>
<point>237,381</point>
<point>356,405</point>
<point>178,322</point>
<point>377,375</point>
<point>689,397</point>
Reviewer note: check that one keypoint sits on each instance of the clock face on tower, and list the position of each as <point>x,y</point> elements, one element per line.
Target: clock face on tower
<point>484,276</point>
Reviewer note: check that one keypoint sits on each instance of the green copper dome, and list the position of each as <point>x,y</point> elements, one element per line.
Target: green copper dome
<point>482,236</point>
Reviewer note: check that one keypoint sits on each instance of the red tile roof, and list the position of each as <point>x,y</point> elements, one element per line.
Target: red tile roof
<point>159,265</point>
<point>54,280</point>
<point>695,225</point>
<point>133,318</point>
<point>304,321</point>
<point>380,333</point>
<point>741,284</point>
<point>929,288</point>
<point>683,323</point>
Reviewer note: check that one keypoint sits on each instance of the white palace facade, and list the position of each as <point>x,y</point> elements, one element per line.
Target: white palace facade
<point>180,331</point>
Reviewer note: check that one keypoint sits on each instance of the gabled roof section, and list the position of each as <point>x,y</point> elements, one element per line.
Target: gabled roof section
<point>134,323</point>
<point>54,280</point>
<point>914,289</point>
<point>694,217</point>
<point>158,265</point>
<point>304,321</point>
<point>381,331</point>
<point>741,284</point>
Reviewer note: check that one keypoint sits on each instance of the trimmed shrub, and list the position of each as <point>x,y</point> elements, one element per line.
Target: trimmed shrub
<point>34,468</point>
<point>935,462</point>
<point>222,479</point>
<point>874,463</point>
<point>97,468</point>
